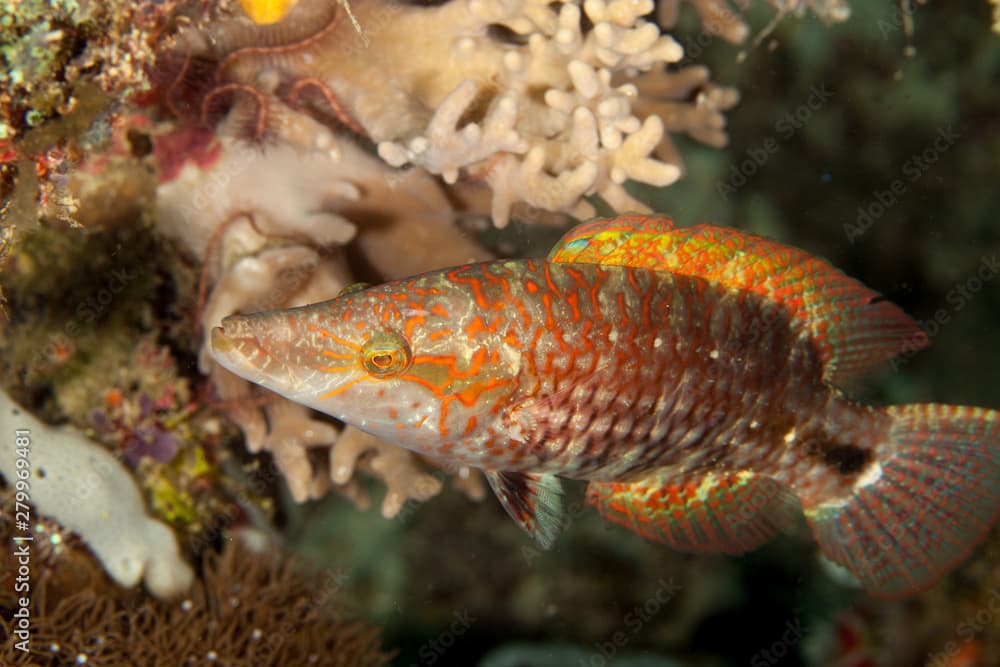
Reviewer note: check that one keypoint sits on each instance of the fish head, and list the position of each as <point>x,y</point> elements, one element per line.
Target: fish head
<point>397,361</point>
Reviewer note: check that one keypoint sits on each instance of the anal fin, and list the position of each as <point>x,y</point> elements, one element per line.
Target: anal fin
<point>533,500</point>
<point>727,513</point>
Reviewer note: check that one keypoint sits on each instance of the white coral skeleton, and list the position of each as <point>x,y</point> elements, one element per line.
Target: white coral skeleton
<point>581,138</point>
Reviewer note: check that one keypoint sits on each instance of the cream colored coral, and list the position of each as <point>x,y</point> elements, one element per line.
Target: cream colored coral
<point>444,151</point>
<point>403,476</point>
<point>668,95</point>
<point>582,138</point>
<point>535,99</point>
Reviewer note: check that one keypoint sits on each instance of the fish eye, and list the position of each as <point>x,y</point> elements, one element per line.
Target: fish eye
<point>386,354</point>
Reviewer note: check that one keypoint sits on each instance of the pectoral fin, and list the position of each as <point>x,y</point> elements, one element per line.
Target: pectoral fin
<point>533,500</point>
<point>712,513</point>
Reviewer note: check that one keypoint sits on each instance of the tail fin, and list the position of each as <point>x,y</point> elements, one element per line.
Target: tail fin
<point>933,497</point>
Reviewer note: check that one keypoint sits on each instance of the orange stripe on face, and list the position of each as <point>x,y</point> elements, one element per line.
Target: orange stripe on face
<point>438,335</point>
<point>437,391</point>
<point>337,355</point>
<point>631,279</point>
<point>474,283</point>
<point>593,298</point>
<point>576,276</point>
<point>560,341</point>
<point>476,365</point>
<point>647,309</point>
<point>439,359</point>
<point>342,388</point>
<point>470,395</point>
<point>439,310</point>
<point>522,311</point>
<point>442,427</point>
<point>411,323</point>
<point>474,327</point>
<point>329,334</point>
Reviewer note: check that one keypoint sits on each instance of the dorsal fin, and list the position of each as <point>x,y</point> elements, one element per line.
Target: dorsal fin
<point>854,327</point>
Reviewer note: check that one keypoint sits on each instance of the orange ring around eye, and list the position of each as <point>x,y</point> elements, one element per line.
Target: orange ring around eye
<point>386,354</point>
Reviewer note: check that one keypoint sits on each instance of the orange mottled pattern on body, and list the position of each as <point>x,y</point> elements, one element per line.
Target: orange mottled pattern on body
<point>854,328</point>
<point>687,374</point>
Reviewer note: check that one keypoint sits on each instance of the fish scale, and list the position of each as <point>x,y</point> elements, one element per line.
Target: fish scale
<point>562,441</point>
<point>691,376</point>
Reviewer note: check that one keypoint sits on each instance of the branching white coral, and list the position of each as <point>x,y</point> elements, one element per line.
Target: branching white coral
<point>582,136</point>
<point>87,490</point>
<point>668,94</point>
<point>403,478</point>
<point>444,151</point>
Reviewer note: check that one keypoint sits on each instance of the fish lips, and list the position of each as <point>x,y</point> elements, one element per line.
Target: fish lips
<point>240,351</point>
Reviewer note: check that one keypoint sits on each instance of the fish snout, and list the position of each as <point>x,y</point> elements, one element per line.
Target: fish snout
<point>235,342</point>
<point>221,343</point>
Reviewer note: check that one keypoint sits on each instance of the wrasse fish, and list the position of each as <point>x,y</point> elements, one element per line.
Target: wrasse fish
<point>691,375</point>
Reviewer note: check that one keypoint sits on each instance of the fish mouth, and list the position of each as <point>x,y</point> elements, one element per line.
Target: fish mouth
<point>236,348</point>
<point>221,343</point>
